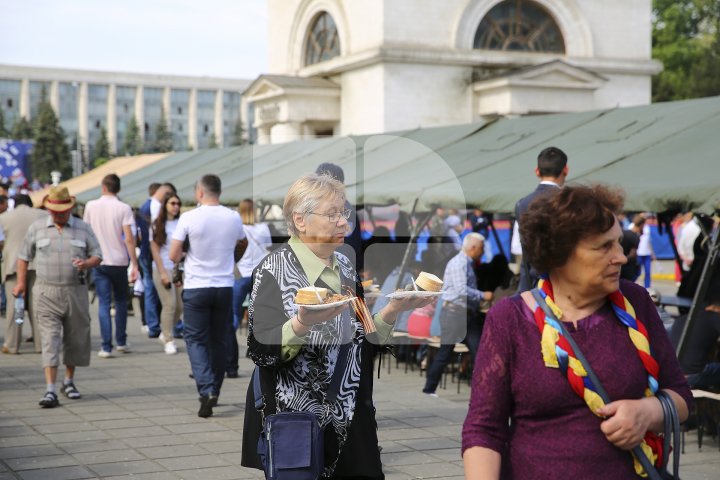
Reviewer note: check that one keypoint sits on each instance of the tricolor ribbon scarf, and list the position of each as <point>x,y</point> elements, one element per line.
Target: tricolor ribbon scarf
<point>557,353</point>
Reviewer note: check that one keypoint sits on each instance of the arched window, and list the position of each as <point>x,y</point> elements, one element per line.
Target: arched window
<point>322,41</point>
<point>519,25</point>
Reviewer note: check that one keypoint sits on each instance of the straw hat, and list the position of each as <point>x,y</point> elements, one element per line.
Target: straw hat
<point>58,200</point>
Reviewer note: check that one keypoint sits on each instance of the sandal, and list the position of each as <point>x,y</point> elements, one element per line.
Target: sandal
<point>70,391</point>
<point>50,400</point>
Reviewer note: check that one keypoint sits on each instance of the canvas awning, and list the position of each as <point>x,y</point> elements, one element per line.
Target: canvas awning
<point>662,155</point>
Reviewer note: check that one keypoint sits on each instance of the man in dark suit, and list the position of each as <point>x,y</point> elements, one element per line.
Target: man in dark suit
<point>551,170</point>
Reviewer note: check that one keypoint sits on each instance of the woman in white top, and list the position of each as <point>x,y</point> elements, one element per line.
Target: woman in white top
<point>259,240</point>
<point>645,254</point>
<point>169,292</point>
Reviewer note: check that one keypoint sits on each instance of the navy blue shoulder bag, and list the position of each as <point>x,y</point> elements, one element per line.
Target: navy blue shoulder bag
<point>291,444</point>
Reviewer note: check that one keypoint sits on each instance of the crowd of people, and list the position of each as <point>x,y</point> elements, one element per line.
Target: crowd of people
<point>203,272</point>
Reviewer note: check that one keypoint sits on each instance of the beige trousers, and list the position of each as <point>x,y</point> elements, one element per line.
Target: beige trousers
<point>13,331</point>
<point>63,316</point>
<point>172,305</point>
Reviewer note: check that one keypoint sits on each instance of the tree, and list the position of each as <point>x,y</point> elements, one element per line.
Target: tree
<point>50,151</point>
<point>132,145</point>
<point>21,129</point>
<point>3,131</point>
<point>212,143</point>
<point>163,137</point>
<point>101,152</point>
<point>238,134</point>
<point>686,38</point>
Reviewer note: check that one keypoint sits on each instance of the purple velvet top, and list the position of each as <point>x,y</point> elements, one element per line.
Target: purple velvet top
<point>553,431</point>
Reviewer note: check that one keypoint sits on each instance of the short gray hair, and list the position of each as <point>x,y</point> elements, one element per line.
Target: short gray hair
<point>306,193</point>
<point>471,238</point>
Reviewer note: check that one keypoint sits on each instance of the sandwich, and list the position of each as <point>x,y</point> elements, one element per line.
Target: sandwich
<point>309,296</point>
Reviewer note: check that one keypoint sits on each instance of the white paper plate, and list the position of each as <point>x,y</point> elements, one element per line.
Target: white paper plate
<point>325,306</point>
<point>414,294</point>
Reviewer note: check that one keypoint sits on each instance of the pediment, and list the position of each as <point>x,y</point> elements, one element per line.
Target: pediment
<point>555,75</point>
<point>267,86</point>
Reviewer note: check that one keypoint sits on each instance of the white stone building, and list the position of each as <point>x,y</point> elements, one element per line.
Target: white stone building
<point>195,108</point>
<point>357,67</point>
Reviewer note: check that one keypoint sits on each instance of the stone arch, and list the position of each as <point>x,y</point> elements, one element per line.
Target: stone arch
<point>306,14</point>
<point>567,14</point>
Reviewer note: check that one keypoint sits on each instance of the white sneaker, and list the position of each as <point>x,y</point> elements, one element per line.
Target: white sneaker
<point>162,339</point>
<point>104,354</point>
<point>144,329</point>
<point>170,348</point>
<point>124,348</point>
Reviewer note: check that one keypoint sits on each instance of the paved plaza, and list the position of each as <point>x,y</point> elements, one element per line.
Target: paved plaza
<point>138,419</point>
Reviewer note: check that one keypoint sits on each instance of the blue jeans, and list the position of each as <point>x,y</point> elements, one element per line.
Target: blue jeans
<point>112,281</point>
<point>152,301</point>
<point>208,319</point>
<point>241,288</point>
<point>645,261</point>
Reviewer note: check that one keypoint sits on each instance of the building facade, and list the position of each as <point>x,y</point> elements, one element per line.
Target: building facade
<point>347,67</point>
<point>196,109</point>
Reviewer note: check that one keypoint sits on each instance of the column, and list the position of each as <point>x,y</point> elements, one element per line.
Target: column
<point>83,134</point>
<point>192,120</point>
<point>55,97</point>
<point>112,118</point>
<point>25,98</point>
<point>140,110</point>
<point>219,113</point>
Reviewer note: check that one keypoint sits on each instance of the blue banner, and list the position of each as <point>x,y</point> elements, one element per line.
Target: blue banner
<point>14,162</point>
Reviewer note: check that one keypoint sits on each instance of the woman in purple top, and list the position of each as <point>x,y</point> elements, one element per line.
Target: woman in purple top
<point>525,420</point>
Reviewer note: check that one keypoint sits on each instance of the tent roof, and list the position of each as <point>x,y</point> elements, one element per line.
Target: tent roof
<point>663,155</point>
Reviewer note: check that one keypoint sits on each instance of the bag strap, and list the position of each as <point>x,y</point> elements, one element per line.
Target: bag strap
<point>672,431</point>
<point>332,390</point>
<point>639,454</point>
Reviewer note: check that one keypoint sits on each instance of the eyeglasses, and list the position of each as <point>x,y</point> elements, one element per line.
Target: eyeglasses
<point>334,217</point>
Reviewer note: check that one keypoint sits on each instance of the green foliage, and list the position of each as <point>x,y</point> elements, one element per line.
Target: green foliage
<point>21,129</point>
<point>101,152</point>
<point>212,143</point>
<point>50,151</point>
<point>686,38</point>
<point>163,136</point>
<point>132,145</point>
<point>3,131</point>
<point>238,138</point>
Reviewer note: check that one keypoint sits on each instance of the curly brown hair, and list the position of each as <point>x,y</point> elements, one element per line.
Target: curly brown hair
<point>555,222</point>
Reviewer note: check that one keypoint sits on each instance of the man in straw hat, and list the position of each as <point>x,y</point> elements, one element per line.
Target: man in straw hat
<point>63,248</point>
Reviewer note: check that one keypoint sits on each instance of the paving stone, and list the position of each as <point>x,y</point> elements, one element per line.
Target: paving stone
<point>62,473</point>
<point>29,451</point>
<point>126,468</point>
<point>100,416</point>
<point>430,443</point>
<point>407,458</point>
<point>158,441</point>
<point>137,432</point>
<point>432,470</point>
<point>109,456</point>
<point>222,447</point>
<point>196,427</point>
<point>219,473</point>
<point>33,463</point>
<point>192,462</point>
<point>92,446</point>
<point>145,476</point>
<point>23,441</point>
<point>77,436</point>
<point>65,427</point>
<point>173,451</point>
<point>16,431</point>
<point>122,423</point>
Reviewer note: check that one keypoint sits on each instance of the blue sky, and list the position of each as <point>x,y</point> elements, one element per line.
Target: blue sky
<point>219,38</point>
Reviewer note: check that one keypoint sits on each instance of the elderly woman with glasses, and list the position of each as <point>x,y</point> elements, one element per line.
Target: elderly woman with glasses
<point>297,349</point>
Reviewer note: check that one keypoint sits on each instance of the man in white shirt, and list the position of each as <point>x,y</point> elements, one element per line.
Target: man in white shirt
<point>686,241</point>
<point>112,221</point>
<point>217,241</point>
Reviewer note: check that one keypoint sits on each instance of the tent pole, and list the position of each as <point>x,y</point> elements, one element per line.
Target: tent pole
<point>413,235</point>
<point>489,216</point>
<point>698,302</point>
